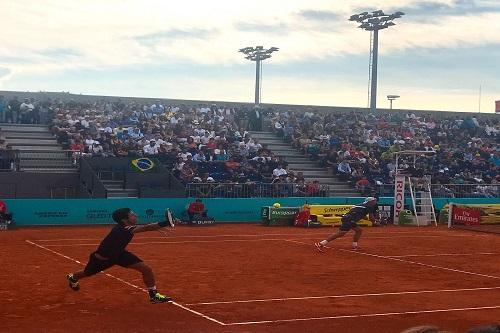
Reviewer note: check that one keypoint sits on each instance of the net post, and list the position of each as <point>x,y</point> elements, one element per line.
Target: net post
<point>450,214</point>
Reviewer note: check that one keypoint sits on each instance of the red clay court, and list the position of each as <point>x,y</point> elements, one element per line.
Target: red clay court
<point>250,278</point>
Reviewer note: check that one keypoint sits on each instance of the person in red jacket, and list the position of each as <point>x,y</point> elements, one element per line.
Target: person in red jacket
<point>196,208</point>
<point>5,217</point>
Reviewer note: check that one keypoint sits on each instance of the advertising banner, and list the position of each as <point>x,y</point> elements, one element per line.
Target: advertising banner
<point>466,215</point>
<point>399,196</point>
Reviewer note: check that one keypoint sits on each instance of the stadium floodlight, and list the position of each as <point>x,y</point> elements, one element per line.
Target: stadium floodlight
<point>392,98</point>
<point>373,22</point>
<point>258,54</point>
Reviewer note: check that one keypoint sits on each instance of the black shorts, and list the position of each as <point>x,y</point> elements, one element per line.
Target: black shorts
<point>96,265</point>
<point>347,224</point>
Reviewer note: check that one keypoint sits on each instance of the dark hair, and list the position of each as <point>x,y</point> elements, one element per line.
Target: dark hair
<point>121,214</point>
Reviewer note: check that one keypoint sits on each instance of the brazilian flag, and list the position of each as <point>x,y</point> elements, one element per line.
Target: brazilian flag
<point>142,164</point>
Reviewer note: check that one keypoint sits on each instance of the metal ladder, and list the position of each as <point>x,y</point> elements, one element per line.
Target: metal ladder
<point>423,209</point>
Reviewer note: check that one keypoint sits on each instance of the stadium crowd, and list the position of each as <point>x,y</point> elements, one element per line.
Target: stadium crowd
<point>201,144</point>
<point>360,147</point>
<point>210,143</point>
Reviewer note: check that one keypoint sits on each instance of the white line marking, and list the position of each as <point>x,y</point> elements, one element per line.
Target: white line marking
<point>129,284</point>
<point>199,314</point>
<point>349,296</point>
<point>54,252</point>
<point>364,315</point>
<point>446,254</point>
<point>415,233</point>
<point>422,264</point>
<point>175,242</point>
<point>222,240</point>
<point>406,261</point>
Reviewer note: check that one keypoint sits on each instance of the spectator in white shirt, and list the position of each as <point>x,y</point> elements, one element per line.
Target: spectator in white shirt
<point>279,171</point>
<point>150,149</point>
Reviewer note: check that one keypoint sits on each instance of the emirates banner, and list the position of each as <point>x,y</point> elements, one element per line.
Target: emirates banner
<point>497,106</point>
<point>466,215</point>
<point>474,214</point>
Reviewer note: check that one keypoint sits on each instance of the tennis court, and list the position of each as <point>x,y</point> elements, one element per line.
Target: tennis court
<point>250,278</point>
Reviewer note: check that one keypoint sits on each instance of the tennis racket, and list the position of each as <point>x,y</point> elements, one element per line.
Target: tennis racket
<point>170,217</point>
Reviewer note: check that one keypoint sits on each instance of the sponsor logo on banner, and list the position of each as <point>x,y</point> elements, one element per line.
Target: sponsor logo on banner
<point>399,196</point>
<point>284,212</point>
<point>466,216</point>
<point>341,210</point>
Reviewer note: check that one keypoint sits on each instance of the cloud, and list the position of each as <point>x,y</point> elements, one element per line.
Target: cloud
<point>433,10</point>
<point>173,34</point>
<point>4,72</point>
<point>261,27</point>
<point>59,53</point>
<point>319,15</point>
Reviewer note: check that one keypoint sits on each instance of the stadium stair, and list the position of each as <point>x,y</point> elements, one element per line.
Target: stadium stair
<point>115,190</point>
<point>38,150</point>
<point>298,162</point>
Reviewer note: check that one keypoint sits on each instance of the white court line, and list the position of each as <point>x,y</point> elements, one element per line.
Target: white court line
<point>348,296</point>
<point>128,283</point>
<point>364,315</point>
<point>175,242</point>
<point>266,235</point>
<point>447,254</point>
<point>225,240</point>
<point>406,261</point>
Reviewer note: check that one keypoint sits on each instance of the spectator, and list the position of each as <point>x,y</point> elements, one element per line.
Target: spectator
<point>278,171</point>
<point>13,108</point>
<point>196,208</point>
<point>5,216</point>
<point>344,170</point>
<point>150,149</point>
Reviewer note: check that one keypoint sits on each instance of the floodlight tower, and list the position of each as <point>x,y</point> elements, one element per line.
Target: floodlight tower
<point>392,98</point>
<point>373,22</point>
<point>257,54</point>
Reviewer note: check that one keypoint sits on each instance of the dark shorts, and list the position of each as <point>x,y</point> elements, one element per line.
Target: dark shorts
<point>125,259</point>
<point>347,224</point>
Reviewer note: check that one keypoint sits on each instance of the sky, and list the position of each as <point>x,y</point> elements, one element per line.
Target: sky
<point>441,55</point>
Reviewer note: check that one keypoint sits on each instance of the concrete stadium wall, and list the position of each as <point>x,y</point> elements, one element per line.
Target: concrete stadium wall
<point>40,185</point>
<point>30,212</point>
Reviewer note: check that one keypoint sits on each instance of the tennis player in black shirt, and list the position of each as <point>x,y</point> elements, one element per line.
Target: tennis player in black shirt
<point>112,252</point>
<point>349,221</point>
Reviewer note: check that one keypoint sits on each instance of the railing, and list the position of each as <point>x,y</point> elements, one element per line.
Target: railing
<point>252,190</point>
<point>91,181</point>
<point>118,174</point>
<point>48,159</point>
<point>452,190</point>
<point>63,192</point>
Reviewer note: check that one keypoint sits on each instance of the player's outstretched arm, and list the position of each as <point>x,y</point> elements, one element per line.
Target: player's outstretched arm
<point>169,221</point>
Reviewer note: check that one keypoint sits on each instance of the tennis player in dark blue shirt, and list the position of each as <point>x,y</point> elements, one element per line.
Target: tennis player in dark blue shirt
<point>349,221</point>
<point>112,252</point>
